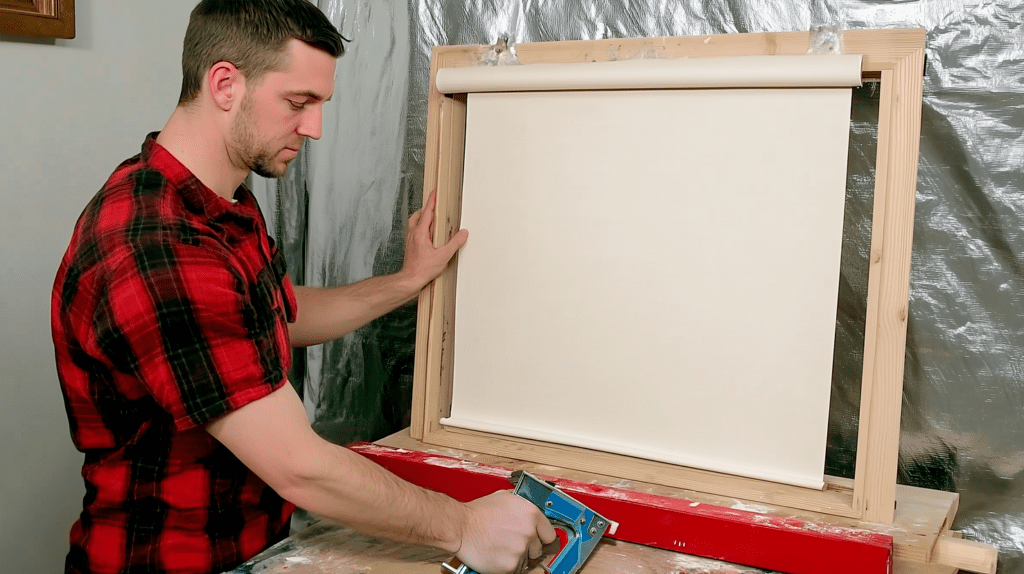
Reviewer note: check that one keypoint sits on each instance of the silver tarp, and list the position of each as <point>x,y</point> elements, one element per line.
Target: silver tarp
<point>339,216</point>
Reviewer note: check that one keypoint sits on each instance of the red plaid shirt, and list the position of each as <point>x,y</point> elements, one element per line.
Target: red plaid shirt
<point>170,308</point>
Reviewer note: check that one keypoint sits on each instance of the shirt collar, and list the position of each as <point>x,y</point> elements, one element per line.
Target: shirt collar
<point>197,196</point>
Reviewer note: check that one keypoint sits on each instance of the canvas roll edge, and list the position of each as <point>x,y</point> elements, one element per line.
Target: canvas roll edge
<point>783,71</point>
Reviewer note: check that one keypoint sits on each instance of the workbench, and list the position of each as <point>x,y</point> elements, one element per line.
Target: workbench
<point>329,547</point>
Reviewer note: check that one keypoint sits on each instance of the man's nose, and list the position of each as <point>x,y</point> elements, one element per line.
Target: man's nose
<point>312,123</point>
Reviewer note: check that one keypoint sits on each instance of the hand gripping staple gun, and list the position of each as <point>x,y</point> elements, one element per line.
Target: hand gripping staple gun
<point>578,528</point>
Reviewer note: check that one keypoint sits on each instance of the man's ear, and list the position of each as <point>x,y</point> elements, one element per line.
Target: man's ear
<point>227,85</point>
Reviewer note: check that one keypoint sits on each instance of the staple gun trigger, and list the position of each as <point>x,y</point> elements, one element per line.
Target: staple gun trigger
<point>578,527</point>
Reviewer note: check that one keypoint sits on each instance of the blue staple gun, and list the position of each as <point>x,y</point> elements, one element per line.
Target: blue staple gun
<point>579,528</point>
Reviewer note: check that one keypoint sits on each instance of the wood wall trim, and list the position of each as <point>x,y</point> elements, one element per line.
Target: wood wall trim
<point>41,18</point>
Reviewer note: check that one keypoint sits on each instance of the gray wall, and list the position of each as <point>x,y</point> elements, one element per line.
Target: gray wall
<point>70,111</point>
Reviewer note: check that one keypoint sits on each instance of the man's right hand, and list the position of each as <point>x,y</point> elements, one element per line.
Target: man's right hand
<point>502,533</point>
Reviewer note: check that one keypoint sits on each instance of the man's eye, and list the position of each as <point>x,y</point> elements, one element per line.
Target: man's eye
<point>296,105</point>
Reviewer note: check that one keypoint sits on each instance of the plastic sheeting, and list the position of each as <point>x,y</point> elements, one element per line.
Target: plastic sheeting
<point>340,216</point>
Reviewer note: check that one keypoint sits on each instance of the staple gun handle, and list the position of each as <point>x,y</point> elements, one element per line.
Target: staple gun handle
<point>579,528</point>
<point>583,527</point>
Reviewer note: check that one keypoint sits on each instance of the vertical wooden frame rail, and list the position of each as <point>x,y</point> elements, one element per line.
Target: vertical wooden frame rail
<point>893,57</point>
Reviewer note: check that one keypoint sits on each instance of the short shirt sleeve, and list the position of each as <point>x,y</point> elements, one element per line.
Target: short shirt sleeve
<point>203,329</point>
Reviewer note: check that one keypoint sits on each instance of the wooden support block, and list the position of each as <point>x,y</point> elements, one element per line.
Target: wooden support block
<point>925,514</point>
<point>901,566</point>
<point>784,544</point>
<point>965,554</point>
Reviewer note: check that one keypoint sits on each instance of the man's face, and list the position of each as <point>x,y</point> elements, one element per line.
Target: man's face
<point>285,107</point>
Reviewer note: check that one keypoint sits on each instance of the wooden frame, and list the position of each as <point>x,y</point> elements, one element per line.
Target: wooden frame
<point>893,57</point>
<point>45,18</point>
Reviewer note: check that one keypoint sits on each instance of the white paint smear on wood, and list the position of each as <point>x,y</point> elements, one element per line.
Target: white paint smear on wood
<point>654,273</point>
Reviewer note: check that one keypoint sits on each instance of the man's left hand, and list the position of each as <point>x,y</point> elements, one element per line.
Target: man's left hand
<point>423,261</point>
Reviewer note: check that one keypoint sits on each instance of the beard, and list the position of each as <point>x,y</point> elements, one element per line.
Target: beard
<point>259,158</point>
<point>261,165</point>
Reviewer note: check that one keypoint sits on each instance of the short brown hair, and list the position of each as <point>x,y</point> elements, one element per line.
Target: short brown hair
<point>252,35</point>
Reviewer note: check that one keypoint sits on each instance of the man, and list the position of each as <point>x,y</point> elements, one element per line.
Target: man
<point>172,318</point>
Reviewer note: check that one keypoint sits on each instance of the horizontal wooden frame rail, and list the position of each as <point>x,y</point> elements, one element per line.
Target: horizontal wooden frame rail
<point>896,58</point>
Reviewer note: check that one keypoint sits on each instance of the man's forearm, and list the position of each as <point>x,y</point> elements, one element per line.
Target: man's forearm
<point>371,499</point>
<point>327,313</point>
<point>496,533</point>
<point>273,438</point>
